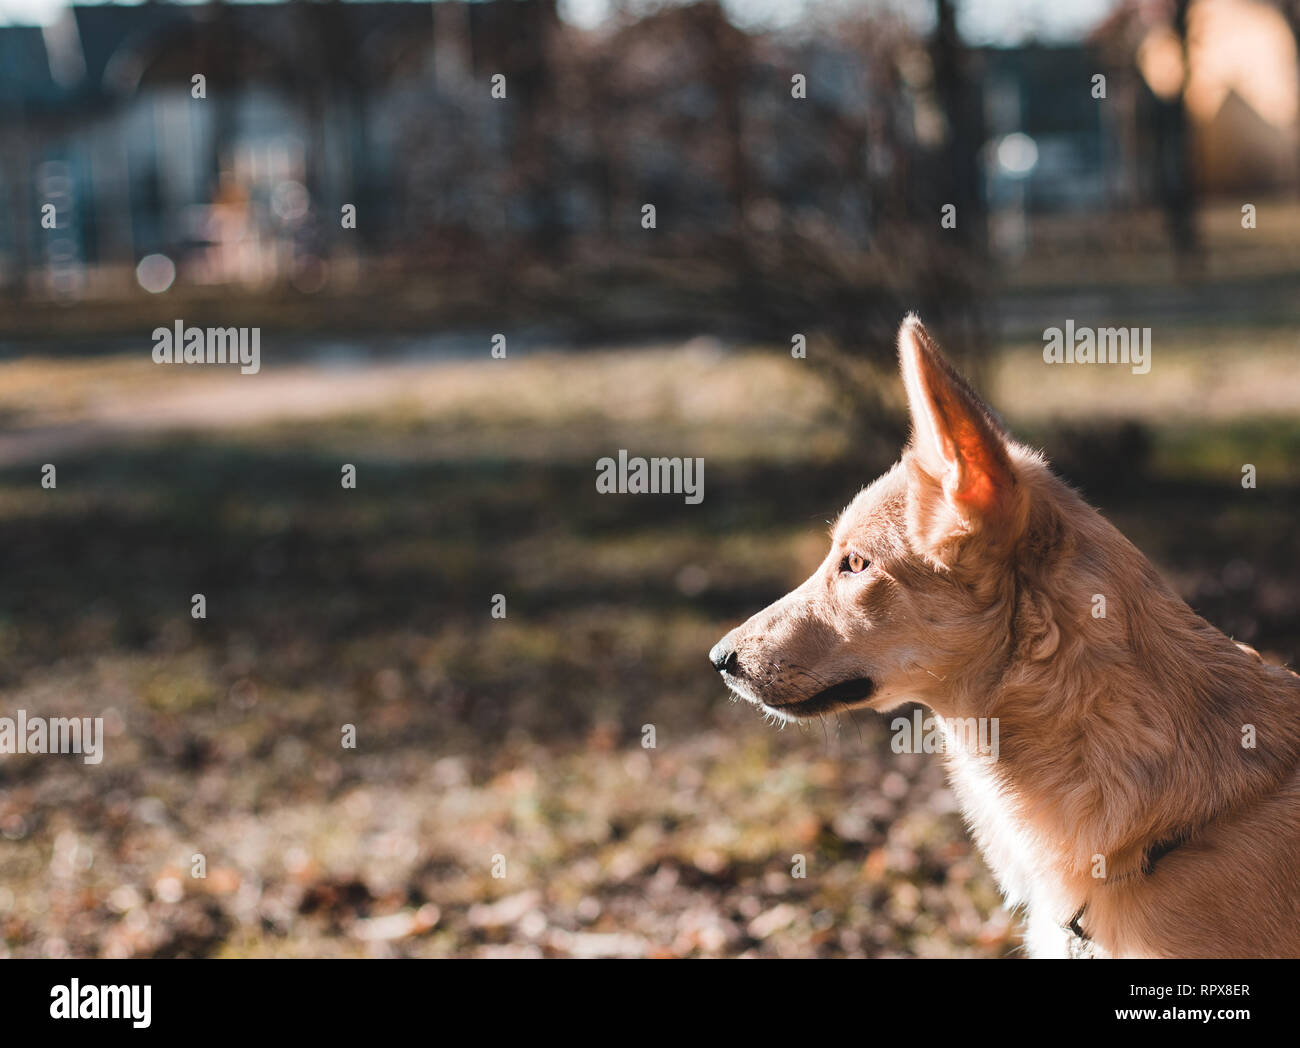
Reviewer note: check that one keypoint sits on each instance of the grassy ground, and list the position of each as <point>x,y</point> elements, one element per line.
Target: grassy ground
<point>483,741</point>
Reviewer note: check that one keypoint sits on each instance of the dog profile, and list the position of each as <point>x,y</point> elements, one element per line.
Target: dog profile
<point>1144,796</point>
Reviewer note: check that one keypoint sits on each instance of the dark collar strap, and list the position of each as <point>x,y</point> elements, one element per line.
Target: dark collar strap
<point>1159,850</point>
<point>1073,924</point>
<point>1149,859</point>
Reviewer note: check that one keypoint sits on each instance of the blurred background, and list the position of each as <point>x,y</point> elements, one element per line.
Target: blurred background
<point>816,169</point>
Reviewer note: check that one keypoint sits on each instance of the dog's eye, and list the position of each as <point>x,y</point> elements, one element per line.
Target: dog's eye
<point>854,563</point>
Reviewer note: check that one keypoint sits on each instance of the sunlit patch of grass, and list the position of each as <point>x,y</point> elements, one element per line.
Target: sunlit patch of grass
<point>1220,451</point>
<point>1209,373</point>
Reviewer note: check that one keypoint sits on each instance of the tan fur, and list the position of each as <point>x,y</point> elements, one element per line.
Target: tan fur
<point>1115,733</point>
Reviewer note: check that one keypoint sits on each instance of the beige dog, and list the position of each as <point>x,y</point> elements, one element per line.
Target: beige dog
<point>1143,798</point>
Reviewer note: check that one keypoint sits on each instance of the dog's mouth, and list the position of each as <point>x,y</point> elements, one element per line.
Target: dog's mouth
<point>840,696</point>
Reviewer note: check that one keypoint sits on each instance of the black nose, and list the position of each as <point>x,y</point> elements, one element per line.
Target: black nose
<point>723,656</point>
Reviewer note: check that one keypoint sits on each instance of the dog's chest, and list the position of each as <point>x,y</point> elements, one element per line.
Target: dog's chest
<point>1015,857</point>
<point>989,809</point>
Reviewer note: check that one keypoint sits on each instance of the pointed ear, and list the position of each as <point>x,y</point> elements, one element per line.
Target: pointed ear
<point>954,438</point>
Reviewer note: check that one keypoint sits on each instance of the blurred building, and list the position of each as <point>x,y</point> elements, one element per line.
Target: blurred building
<point>301,109</point>
<point>306,108</point>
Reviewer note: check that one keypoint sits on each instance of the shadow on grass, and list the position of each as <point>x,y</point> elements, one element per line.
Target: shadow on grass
<point>319,586</point>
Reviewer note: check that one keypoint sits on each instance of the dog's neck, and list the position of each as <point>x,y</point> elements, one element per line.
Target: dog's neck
<point>1118,733</point>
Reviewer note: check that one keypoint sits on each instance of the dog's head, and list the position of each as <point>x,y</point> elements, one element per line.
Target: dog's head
<point>916,594</point>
